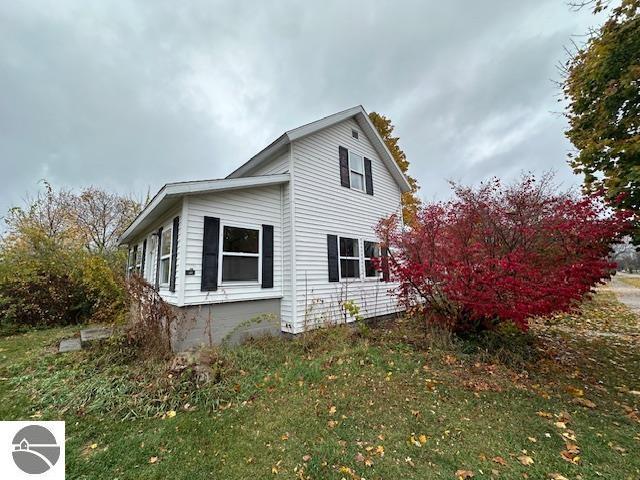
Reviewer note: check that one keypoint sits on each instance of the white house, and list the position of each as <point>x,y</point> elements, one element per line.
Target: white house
<point>286,239</point>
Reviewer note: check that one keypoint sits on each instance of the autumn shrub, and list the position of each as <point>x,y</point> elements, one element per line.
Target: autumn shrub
<point>501,254</point>
<point>45,282</point>
<point>59,259</point>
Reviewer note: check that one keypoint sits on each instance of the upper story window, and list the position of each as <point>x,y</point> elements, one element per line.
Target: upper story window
<point>240,254</point>
<point>354,134</point>
<point>165,256</point>
<point>371,251</point>
<point>356,171</point>
<point>349,256</point>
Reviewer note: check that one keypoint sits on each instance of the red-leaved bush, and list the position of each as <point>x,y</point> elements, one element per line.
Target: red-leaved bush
<point>497,253</point>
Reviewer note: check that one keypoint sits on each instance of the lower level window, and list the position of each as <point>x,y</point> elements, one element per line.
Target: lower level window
<point>349,258</point>
<point>371,251</point>
<point>165,256</point>
<point>240,254</point>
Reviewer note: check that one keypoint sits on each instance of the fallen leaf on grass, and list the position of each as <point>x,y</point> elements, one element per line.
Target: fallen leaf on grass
<point>584,402</point>
<point>500,460</point>
<point>571,454</point>
<point>464,474</point>
<point>306,458</point>
<point>153,460</point>
<point>576,392</point>
<point>525,460</point>
<point>556,476</point>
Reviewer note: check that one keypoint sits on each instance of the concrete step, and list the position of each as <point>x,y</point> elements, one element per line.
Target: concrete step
<point>97,333</point>
<point>70,345</point>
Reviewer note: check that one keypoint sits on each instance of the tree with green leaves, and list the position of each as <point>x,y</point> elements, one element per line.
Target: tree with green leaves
<point>602,85</point>
<point>410,200</point>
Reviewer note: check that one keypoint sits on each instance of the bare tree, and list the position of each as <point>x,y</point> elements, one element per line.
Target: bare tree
<point>102,217</point>
<point>48,212</point>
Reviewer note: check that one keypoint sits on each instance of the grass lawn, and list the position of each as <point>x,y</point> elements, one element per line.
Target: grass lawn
<point>634,281</point>
<point>387,403</point>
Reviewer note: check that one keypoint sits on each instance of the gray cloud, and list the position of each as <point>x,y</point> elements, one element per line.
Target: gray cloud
<point>130,95</point>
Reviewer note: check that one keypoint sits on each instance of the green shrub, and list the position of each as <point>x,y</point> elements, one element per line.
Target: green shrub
<point>44,282</point>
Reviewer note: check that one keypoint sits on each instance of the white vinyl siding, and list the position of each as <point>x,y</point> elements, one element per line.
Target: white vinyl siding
<point>322,207</point>
<point>250,208</point>
<point>279,164</point>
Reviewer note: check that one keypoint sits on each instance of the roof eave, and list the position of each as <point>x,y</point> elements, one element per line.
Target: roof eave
<point>175,190</point>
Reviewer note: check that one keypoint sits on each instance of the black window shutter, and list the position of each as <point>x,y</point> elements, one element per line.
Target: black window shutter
<point>385,264</point>
<point>158,259</point>
<point>174,253</point>
<point>267,256</point>
<point>343,153</point>
<point>210,248</point>
<point>368,178</point>
<point>144,257</point>
<point>332,256</point>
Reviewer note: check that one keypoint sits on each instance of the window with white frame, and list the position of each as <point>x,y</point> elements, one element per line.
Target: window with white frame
<point>131,261</point>
<point>240,254</point>
<point>371,251</point>
<point>165,256</point>
<point>138,260</point>
<point>356,171</point>
<point>349,256</point>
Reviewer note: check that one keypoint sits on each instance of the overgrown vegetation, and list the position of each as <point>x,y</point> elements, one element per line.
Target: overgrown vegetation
<point>59,263</point>
<point>396,402</point>
<point>500,254</point>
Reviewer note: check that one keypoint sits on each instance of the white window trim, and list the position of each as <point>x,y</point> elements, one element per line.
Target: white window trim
<point>166,228</point>
<point>130,264</point>
<point>362,173</point>
<point>222,253</point>
<point>340,258</point>
<point>378,274</point>
<point>149,263</point>
<point>138,260</point>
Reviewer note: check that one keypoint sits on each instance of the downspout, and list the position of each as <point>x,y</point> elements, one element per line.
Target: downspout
<point>292,213</point>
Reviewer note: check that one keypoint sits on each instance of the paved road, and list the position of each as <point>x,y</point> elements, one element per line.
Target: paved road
<point>627,294</point>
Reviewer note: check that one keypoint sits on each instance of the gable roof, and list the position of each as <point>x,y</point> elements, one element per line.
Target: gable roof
<point>169,195</point>
<point>360,116</point>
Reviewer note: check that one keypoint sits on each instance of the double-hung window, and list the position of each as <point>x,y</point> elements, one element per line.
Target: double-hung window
<point>165,256</point>
<point>138,260</point>
<point>371,251</point>
<point>131,262</point>
<point>349,255</point>
<point>356,171</point>
<point>240,254</point>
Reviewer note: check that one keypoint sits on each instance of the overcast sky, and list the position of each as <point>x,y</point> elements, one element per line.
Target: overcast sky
<point>131,95</point>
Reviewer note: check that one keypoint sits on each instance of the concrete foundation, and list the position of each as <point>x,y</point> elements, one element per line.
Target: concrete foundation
<point>231,323</point>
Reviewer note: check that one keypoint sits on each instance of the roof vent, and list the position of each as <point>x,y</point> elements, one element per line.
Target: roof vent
<point>354,134</point>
